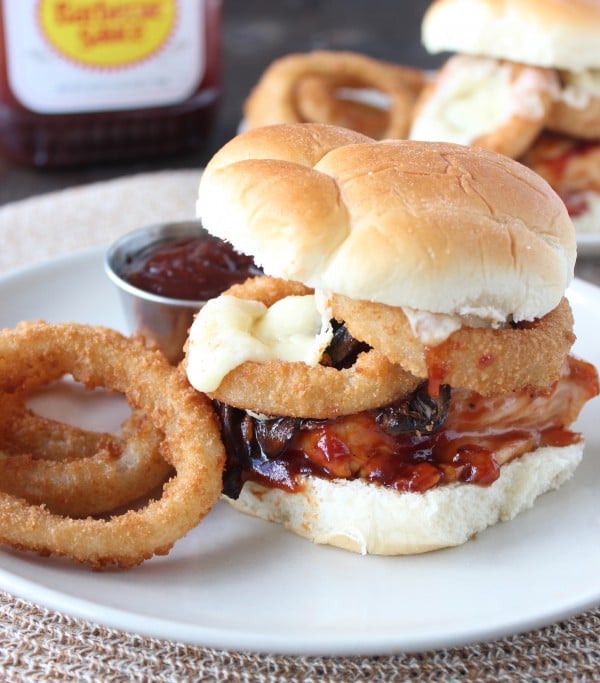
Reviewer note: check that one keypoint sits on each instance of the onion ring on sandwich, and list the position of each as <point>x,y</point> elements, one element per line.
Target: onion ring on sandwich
<point>577,111</point>
<point>438,228</point>
<point>295,389</point>
<point>482,359</point>
<point>274,98</point>
<point>481,101</point>
<point>96,356</point>
<point>73,471</point>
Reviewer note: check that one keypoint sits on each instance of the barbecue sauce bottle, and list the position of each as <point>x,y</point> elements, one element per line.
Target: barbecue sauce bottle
<point>86,81</point>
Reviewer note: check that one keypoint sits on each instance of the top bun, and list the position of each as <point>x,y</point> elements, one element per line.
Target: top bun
<point>553,33</point>
<point>434,226</point>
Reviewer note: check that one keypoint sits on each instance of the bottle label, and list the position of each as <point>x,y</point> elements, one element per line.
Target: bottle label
<point>70,56</point>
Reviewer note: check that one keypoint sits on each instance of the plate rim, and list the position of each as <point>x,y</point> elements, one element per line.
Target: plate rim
<point>241,640</point>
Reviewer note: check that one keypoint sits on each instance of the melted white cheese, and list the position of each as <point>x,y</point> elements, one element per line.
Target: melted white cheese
<point>475,97</point>
<point>228,332</point>
<point>431,329</point>
<point>580,87</point>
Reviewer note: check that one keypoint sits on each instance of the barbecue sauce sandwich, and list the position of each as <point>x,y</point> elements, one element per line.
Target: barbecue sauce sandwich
<point>524,80</point>
<point>401,378</point>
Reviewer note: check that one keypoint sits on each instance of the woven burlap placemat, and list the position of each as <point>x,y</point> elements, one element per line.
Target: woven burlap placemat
<point>39,644</point>
<point>57,223</point>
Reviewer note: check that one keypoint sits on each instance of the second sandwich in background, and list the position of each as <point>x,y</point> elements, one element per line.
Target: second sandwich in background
<point>525,82</point>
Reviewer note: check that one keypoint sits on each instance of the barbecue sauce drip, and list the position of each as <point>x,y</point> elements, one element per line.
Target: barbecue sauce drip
<point>439,444</point>
<point>555,154</point>
<point>556,164</point>
<point>192,268</point>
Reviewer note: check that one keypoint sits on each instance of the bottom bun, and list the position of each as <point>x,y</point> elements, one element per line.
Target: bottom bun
<point>366,518</point>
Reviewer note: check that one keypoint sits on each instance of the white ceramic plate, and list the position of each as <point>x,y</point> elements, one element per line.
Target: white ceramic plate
<point>242,584</point>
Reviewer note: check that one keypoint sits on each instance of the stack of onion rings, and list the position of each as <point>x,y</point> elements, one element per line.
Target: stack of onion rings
<point>299,390</point>
<point>33,354</point>
<point>484,360</point>
<point>276,96</point>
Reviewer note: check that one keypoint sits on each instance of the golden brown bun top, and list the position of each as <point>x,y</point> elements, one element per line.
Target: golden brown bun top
<point>554,33</point>
<point>433,226</point>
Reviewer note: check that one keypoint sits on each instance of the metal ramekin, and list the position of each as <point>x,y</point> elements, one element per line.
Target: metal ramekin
<point>162,320</point>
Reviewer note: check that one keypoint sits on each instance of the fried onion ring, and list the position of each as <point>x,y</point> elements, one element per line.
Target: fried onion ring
<point>454,106</point>
<point>98,356</point>
<point>324,100</point>
<point>487,361</point>
<point>576,112</point>
<point>274,99</point>
<point>73,471</point>
<point>24,431</point>
<point>299,390</point>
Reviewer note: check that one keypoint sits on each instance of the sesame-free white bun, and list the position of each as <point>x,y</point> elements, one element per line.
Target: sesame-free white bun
<point>434,226</point>
<point>366,518</point>
<point>553,33</point>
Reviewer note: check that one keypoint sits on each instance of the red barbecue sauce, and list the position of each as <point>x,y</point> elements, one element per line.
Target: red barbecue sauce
<point>575,202</point>
<point>552,158</point>
<point>191,268</point>
<point>465,450</point>
<point>557,161</point>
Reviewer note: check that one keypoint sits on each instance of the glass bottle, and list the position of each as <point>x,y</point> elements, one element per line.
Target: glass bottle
<point>86,81</point>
